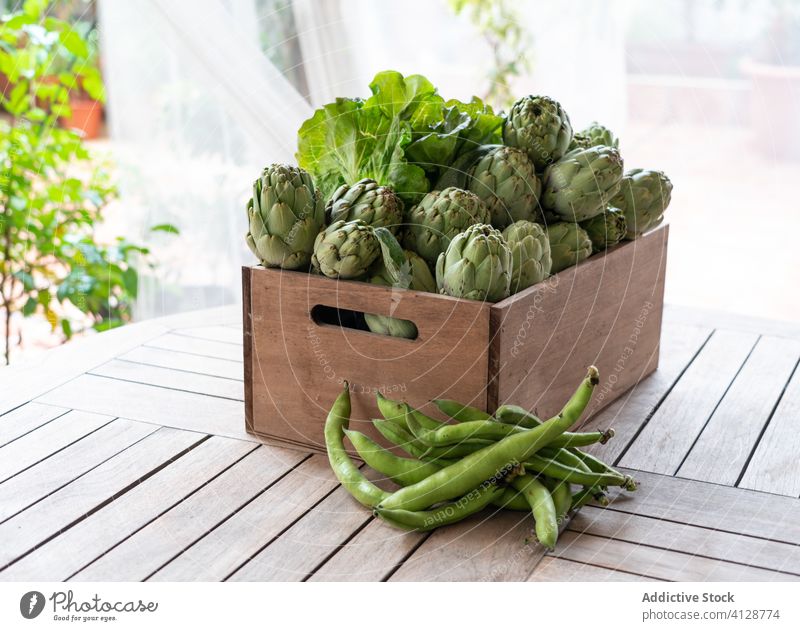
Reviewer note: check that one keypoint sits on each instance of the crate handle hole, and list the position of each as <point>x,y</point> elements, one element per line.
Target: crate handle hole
<point>323,315</point>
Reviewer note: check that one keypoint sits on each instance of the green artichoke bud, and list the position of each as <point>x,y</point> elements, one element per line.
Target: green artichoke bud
<point>530,254</point>
<point>375,205</point>
<point>505,180</point>
<point>439,217</point>
<point>643,198</point>
<point>606,229</point>
<point>593,136</point>
<point>416,275</point>
<point>284,216</point>
<point>476,265</point>
<point>540,127</point>
<point>569,245</point>
<point>580,185</point>
<point>345,249</point>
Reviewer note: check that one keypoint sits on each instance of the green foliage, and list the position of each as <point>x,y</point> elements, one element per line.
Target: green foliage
<point>403,136</point>
<point>500,25</point>
<point>52,194</point>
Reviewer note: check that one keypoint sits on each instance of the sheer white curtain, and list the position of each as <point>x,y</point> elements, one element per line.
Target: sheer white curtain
<point>195,111</point>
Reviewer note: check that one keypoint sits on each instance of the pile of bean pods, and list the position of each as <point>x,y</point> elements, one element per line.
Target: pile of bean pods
<point>510,459</point>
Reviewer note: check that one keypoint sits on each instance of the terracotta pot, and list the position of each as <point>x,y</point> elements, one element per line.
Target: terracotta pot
<point>774,103</point>
<point>87,116</point>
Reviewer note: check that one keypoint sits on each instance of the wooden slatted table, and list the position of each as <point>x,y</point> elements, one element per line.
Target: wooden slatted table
<point>124,457</point>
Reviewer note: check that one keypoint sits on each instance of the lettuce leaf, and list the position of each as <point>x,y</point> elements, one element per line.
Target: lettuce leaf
<point>402,136</point>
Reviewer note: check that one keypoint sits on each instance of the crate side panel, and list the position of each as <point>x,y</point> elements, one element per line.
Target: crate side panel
<point>605,312</point>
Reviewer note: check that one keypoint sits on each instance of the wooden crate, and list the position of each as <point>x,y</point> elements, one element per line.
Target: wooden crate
<point>530,349</point>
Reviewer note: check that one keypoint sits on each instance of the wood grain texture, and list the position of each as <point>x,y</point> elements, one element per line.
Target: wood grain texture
<point>52,473</point>
<point>298,365</point>
<point>773,466</point>
<point>750,551</point>
<point>183,361</point>
<point>372,555</point>
<point>485,547</point>
<point>727,441</point>
<point>141,402</point>
<point>76,500</point>
<point>172,379</point>
<point>152,547</point>
<point>34,446</point>
<point>713,506</point>
<point>552,569</point>
<point>660,564</point>
<point>309,542</point>
<point>26,418</point>
<point>667,437</point>
<point>224,549</point>
<point>606,311</point>
<point>65,555</point>
<point>197,346</point>
<point>626,415</point>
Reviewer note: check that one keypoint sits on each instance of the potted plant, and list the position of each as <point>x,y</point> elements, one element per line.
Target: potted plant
<point>775,77</point>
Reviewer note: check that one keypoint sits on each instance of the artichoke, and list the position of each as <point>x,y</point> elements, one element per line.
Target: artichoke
<point>606,229</point>
<point>439,217</point>
<point>569,245</point>
<point>285,214</point>
<point>540,127</point>
<point>416,276</point>
<point>505,180</point>
<point>345,249</point>
<point>530,254</point>
<point>375,205</point>
<point>580,185</point>
<point>476,265</point>
<point>594,135</point>
<point>643,198</point>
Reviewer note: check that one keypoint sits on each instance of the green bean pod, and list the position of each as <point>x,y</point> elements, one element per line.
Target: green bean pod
<point>391,410</point>
<point>598,466</point>
<point>515,415</point>
<point>542,507</point>
<point>400,437</point>
<point>588,493</point>
<point>562,496</point>
<point>554,469</point>
<point>489,431</point>
<point>565,457</point>
<point>403,471</point>
<point>494,460</point>
<point>428,436</point>
<point>461,412</point>
<point>343,466</point>
<point>450,513</point>
<point>582,439</point>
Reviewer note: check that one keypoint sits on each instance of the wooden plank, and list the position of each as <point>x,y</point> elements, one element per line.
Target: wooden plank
<point>197,346</point>
<point>54,472</point>
<point>48,439</point>
<point>666,439</point>
<point>734,321</point>
<point>605,311</point>
<point>724,546</point>
<point>185,410</point>
<point>486,547</point>
<point>728,439</point>
<point>552,569</point>
<point>26,418</point>
<point>679,344</point>
<point>216,333</point>
<point>181,361</point>
<point>372,555</point>
<point>653,562</point>
<point>165,537</point>
<point>76,500</point>
<point>713,506</point>
<point>309,542</point>
<point>298,364</point>
<point>223,550</point>
<point>773,466</point>
<point>172,379</point>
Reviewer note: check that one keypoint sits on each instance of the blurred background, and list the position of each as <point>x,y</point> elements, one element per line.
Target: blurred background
<point>200,95</point>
